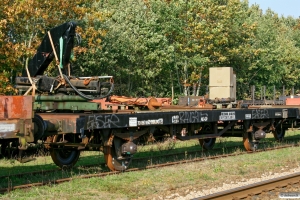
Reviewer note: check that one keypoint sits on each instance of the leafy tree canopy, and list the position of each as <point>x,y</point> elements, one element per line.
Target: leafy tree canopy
<point>152,47</point>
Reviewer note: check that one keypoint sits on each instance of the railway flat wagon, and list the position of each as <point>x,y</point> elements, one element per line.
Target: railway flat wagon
<point>115,131</point>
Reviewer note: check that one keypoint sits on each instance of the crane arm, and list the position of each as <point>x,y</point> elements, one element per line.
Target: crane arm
<point>45,54</point>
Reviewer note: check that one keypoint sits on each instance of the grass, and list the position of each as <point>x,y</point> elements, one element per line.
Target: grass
<point>149,184</point>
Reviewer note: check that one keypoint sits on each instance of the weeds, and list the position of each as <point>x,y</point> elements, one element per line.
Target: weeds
<point>218,168</point>
<point>133,185</point>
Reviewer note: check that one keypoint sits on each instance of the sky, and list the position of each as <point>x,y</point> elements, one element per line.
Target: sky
<point>281,7</point>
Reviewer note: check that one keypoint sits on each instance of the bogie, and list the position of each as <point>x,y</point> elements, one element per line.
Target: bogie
<point>118,156</point>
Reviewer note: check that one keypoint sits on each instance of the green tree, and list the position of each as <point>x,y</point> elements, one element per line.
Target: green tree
<point>277,60</point>
<point>217,34</point>
<point>134,50</point>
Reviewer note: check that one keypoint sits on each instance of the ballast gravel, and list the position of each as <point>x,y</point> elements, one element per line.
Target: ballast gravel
<point>197,192</point>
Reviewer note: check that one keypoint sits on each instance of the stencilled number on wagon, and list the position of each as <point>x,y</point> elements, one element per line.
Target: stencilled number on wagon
<point>227,116</point>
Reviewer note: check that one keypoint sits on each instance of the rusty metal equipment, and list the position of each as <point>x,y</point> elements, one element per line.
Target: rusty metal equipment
<point>58,44</point>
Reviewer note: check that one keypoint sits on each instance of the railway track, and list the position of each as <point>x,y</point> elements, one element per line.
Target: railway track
<point>150,159</point>
<point>258,190</point>
<point>147,160</point>
<point>106,173</point>
<point>154,158</point>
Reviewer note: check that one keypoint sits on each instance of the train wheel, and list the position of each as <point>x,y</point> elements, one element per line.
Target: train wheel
<point>3,149</point>
<point>39,127</point>
<point>208,143</point>
<point>249,144</point>
<point>64,158</point>
<point>279,133</point>
<point>113,162</point>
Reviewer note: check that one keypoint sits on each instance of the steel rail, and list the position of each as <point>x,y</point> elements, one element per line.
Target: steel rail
<point>58,181</point>
<point>42,172</point>
<point>206,155</point>
<point>256,188</point>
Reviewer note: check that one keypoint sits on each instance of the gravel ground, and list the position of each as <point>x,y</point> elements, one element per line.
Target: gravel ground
<point>193,193</point>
